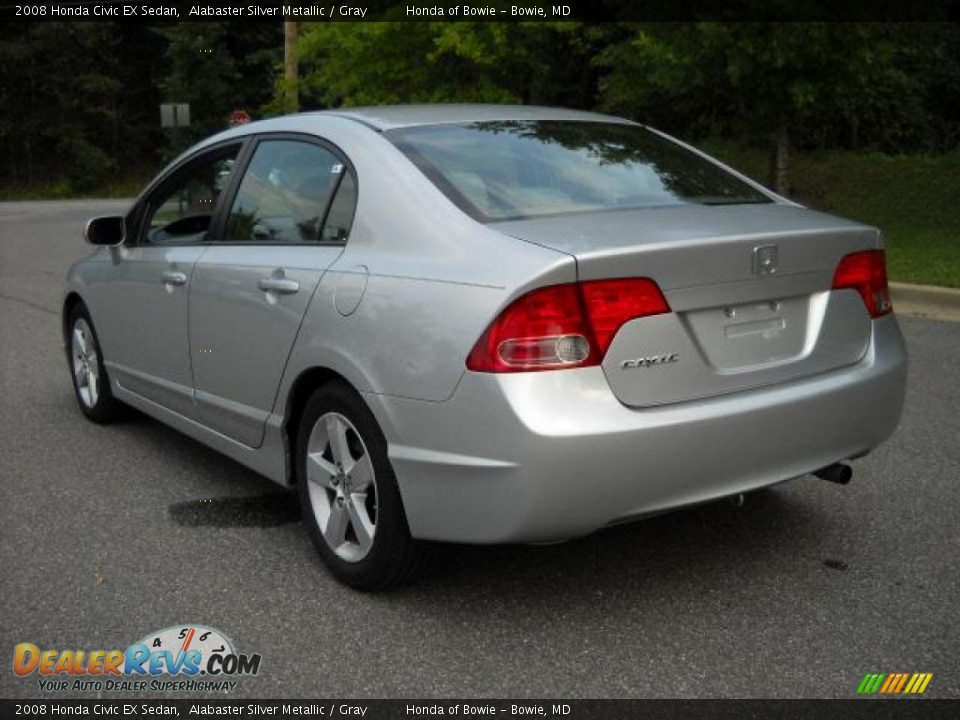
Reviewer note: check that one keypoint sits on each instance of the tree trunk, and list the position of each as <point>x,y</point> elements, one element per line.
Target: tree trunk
<point>291,69</point>
<point>115,134</point>
<point>29,155</point>
<point>779,168</point>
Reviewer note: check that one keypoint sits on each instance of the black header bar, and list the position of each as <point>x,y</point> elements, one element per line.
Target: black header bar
<point>481,10</point>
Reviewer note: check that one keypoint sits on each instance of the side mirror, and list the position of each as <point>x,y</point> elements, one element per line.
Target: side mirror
<point>106,230</point>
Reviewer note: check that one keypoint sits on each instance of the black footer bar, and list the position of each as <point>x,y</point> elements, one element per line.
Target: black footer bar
<point>852,709</point>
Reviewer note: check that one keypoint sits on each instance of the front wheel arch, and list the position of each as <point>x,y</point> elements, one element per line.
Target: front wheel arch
<point>100,406</point>
<point>71,301</point>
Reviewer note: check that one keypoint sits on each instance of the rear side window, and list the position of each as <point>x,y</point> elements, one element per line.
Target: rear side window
<point>507,170</point>
<point>285,193</point>
<point>340,216</point>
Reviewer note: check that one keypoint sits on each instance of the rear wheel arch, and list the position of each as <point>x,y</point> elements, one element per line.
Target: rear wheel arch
<point>352,505</point>
<point>307,382</point>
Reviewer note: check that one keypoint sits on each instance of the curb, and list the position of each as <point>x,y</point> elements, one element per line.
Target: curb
<point>926,301</point>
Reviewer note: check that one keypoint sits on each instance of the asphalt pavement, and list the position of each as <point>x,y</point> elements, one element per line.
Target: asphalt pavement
<point>108,533</point>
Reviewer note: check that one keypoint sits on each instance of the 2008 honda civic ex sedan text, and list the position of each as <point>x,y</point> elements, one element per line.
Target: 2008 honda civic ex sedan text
<point>484,324</point>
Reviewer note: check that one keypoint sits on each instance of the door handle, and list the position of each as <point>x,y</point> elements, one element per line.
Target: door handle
<point>279,285</point>
<point>173,277</point>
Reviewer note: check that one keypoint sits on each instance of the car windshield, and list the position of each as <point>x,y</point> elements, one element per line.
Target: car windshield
<point>509,170</point>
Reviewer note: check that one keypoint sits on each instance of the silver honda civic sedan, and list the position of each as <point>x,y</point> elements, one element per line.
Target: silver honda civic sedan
<point>484,324</point>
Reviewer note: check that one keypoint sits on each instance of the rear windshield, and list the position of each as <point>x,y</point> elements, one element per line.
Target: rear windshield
<point>509,170</point>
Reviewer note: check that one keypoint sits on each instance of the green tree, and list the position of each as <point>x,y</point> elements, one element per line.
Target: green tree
<point>78,100</point>
<point>218,67</point>
<point>781,81</point>
<point>77,103</point>
<point>201,72</point>
<point>61,106</point>
<point>370,63</point>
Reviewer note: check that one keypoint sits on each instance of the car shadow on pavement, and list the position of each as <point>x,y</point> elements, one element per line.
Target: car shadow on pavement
<point>719,540</point>
<point>714,544</point>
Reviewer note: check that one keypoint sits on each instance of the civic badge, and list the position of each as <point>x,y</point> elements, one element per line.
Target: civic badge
<point>765,260</point>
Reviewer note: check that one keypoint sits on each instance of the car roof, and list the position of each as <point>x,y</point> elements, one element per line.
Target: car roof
<point>387,117</point>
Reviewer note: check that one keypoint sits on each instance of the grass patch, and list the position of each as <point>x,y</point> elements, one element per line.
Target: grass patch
<point>914,200</point>
<point>62,190</point>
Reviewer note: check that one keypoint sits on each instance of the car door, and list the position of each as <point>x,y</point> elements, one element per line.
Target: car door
<point>252,286</point>
<point>143,302</point>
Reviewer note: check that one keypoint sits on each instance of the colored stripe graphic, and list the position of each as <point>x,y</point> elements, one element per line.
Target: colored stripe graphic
<point>894,683</point>
<point>900,683</point>
<point>870,683</point>
<point>918,683</point>
<point>891,680</point>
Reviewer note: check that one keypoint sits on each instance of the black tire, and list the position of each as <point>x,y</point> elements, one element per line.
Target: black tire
<point>105,407</point>
<point>393,557</point>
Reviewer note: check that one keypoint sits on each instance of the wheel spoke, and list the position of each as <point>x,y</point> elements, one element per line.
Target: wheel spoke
<point>320,470</point>
<point>80,339</point>
<point>363,528</point>
<point>336,530</point>
<point>93,382</point>
<point>80,372</point>
<point>362,474</point>
<point>337,433</point>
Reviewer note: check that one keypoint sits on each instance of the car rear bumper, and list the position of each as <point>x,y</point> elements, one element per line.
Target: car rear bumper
<point>535,457</point>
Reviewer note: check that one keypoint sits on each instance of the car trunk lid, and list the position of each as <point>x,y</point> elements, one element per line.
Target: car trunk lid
<point>749,288</point>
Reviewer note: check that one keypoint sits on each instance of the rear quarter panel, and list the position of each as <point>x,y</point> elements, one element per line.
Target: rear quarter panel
<point>429,280</point>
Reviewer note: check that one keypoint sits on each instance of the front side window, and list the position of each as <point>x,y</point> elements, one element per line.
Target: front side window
<point>506,170</point>
<point>285,193</point>
<point>182,210</point>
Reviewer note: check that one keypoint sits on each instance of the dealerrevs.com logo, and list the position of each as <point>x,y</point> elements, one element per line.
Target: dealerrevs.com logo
<point>180,658</point>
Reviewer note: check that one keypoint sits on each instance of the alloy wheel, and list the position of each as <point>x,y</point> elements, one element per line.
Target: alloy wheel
<point>86,363</point>
<point>342,486</point>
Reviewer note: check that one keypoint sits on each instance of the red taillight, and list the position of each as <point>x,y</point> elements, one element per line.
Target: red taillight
<point>563,326</point>
<point>611,303</point>
<point>866,272</point>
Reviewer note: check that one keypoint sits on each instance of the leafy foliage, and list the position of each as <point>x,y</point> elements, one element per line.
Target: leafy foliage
<point>373,63</point>
<point>830,84</point>
<point>79,101</point>
<point>218,67</point>
<point>56,110</point>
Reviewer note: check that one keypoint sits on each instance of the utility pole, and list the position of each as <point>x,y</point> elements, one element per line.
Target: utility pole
<point>779,167</point>
<point>291,69</point>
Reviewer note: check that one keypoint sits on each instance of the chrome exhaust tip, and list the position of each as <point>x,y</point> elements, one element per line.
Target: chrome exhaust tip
<point>839,473</point>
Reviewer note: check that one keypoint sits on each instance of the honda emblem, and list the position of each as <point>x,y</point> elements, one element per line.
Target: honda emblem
<point>765,260</point>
